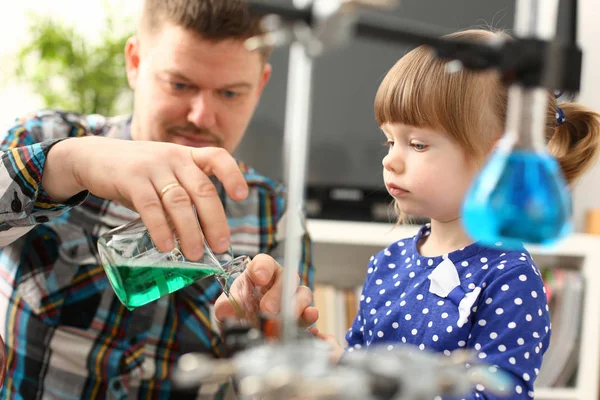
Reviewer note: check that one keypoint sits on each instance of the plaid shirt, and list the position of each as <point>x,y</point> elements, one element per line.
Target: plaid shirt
<point>67,335</point>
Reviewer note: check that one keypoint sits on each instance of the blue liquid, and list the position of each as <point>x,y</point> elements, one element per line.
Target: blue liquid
<point>519,197</point>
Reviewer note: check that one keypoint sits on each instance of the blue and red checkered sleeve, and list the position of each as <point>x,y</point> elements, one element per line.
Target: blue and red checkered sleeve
<point>23,201</point>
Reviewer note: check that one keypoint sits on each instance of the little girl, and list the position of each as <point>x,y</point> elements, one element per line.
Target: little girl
<point>438,290</point>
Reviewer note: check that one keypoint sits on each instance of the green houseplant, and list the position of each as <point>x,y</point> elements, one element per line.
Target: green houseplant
<point>73,73</point>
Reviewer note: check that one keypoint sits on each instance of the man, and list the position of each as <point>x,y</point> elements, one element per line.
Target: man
<point>196,87</point>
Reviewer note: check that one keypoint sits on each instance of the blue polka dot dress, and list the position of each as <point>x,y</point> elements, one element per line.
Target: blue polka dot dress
<point>481,298</point>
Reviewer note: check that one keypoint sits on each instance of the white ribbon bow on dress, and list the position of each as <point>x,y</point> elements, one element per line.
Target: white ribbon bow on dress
<point>446,283</point>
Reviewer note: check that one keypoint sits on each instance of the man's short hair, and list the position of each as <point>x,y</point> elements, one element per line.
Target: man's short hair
<point>213,20</point>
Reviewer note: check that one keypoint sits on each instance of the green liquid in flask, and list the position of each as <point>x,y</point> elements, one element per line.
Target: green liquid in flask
<point>136,284</point>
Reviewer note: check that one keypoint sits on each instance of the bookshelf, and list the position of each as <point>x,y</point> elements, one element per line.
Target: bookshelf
<point>341,250</point>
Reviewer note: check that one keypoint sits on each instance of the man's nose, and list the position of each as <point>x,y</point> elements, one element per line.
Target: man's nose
<point>202,112</point>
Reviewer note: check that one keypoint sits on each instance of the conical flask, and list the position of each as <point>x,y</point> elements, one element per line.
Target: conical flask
<point>520,195</point>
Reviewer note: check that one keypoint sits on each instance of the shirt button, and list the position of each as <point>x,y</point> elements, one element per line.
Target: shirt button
<point>41,219</point>
<point>16,204</point>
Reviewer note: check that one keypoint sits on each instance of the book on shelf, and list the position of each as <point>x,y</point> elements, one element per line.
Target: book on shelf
<point>337,309</point>
<point>564,290</point>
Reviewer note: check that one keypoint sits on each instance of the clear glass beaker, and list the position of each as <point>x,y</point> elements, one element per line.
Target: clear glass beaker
<point>140,273</point>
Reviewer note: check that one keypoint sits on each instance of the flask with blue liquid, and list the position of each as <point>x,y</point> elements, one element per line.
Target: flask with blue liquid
<point>520,195</point>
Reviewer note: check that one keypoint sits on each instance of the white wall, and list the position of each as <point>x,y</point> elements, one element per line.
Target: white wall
<point>16,99</point>
<point>87,16</point>
<point>587,192</point>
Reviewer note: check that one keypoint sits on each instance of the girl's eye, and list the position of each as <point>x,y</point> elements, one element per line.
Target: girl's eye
<point>388,143</point>
<point>418,146</point>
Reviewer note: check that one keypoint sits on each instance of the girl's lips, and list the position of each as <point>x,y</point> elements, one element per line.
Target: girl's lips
<point>396,191</point>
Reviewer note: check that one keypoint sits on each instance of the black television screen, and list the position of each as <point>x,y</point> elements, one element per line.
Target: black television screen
<point>344,176</point>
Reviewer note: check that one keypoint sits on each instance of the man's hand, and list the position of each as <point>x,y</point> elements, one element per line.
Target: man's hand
<point>161,181</point>
<point>266,276</point>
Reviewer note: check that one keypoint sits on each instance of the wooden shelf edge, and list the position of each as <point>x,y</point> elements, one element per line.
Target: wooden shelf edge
<point>558,394</point>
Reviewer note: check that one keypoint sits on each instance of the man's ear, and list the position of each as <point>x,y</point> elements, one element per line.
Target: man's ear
<point>132,60</point>
<point>266,75</point>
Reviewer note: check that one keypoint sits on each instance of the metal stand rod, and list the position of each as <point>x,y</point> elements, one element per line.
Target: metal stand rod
<point>527,120</point>
<point>296,137</point>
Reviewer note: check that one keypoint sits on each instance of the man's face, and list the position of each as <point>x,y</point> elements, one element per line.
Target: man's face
<point>192,91</point>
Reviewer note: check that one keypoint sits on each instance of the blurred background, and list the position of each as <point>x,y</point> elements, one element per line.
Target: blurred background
<point>69,54</point>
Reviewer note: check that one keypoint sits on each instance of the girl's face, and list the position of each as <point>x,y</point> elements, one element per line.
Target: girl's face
<point>426,171</point>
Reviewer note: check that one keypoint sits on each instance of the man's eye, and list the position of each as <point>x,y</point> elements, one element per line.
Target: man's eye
<point>179,86</point>
<point>229,94</point>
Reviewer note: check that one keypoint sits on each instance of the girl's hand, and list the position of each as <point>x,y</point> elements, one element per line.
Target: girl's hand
<point>336,351</point>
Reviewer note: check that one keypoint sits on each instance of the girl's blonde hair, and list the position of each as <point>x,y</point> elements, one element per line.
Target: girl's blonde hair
<point>471,107</point>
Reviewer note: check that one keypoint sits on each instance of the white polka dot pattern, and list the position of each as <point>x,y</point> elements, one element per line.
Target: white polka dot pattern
<point>509,326</point>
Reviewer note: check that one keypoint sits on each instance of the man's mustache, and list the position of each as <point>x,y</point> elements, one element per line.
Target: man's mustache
<point>193,131</point>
